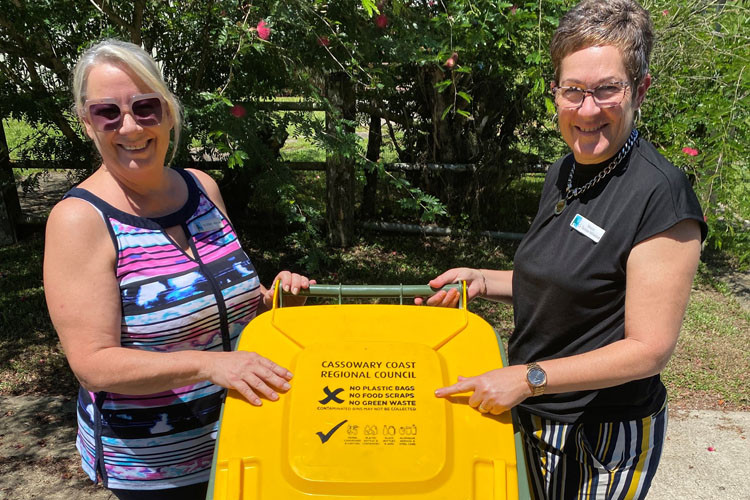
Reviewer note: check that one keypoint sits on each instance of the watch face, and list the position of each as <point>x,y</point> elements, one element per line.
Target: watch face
<point>536,377</point>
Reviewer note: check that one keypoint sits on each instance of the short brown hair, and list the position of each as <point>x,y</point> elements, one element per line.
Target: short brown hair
<point>621,23</point>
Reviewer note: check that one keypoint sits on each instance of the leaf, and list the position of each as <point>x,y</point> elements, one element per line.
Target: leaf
<point>534,57</point>
<point>446,111</point>
<point>370,7</point>
<point>466,97</point>
<point>465,114</point>
<point>441,86</point>
<point>549,105</point>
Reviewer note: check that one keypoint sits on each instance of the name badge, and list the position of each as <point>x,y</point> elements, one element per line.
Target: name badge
<point>587,228</point>
<point>205,225</point>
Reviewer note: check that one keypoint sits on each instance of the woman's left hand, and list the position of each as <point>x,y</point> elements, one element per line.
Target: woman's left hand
<point>290,283</point>
<point>495,392</point>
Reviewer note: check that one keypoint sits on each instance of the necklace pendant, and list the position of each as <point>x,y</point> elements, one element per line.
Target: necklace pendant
<point>560,206</point>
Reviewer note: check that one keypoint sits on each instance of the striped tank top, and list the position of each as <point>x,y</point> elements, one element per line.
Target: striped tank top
<point>170,302</point>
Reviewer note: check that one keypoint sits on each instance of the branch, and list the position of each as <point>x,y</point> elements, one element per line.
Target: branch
<point>133,28</point>
<point>383,113</point>
<point>105,9</point>
<point>399,151</point>
<point>136,28</point>
<point>33,48</point>
<point>202,44</point>
<point>234,57</point>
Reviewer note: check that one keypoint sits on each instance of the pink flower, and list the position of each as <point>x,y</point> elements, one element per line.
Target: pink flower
<point>451,61</point>
<point>238,111</point>
<point>711,448</point>
<point>513,10</point>
<point>381,21</point>
<point>665,12</point>
<point>264,33</point>
<point>690,151</point>
<point>323,41</point>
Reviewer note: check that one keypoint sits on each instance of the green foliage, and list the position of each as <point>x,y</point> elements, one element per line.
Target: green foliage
<point>700,99</point>
<point>453,81</point>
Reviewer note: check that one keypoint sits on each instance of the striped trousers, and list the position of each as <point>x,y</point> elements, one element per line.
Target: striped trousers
<point>602,461</point>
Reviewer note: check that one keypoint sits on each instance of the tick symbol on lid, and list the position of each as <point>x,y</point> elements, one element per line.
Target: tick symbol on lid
<point>325,437</point>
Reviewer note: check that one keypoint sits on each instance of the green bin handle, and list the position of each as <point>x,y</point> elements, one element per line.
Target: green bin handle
<point>372,292</point>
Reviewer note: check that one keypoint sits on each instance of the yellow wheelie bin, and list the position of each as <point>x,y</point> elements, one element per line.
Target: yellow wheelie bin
<point>361,420</point>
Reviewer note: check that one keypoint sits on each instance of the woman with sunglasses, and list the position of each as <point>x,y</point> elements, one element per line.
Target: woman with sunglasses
<point>600,281</point>
<point>149,289</point>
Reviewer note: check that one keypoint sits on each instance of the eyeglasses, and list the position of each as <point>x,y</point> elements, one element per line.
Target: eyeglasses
<point>605,96</point>
<point>106,114</point>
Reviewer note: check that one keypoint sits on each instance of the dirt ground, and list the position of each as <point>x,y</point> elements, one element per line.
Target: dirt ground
<point>705,456</point>
<point>38,459</point>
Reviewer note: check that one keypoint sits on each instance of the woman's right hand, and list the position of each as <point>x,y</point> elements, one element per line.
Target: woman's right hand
<point>250,374</point>
<point>476,285</point>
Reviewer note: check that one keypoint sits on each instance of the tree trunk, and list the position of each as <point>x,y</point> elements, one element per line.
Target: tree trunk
<point>374,141</point>
<point>340,170</point>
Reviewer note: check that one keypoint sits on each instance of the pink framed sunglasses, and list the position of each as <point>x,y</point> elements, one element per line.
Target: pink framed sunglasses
<point>106,114</point>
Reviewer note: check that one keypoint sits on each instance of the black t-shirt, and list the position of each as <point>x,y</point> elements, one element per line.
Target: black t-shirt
<point>569,292</point>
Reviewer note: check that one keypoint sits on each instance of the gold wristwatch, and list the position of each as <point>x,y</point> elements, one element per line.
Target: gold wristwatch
<point>536,377</point>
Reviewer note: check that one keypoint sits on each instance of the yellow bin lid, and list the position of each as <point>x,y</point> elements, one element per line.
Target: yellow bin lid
<point>361,420</point>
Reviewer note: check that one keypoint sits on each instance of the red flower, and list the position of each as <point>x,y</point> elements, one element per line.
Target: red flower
<point>690,151</point>
<point>381,21</point>
<point>665,12</point>
<point>451,61</point>
<point>264,33</point>
<point>323,41</point>
<point>238,111</point>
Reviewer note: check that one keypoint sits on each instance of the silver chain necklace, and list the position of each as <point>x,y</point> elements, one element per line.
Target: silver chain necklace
<point>571,192</point>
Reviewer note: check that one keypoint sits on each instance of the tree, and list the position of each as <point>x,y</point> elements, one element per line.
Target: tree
<point>450,81</point>
<point>698,109</point>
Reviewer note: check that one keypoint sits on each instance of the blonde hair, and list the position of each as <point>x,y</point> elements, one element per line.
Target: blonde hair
<point>621,23</point>
<point>132,58</point>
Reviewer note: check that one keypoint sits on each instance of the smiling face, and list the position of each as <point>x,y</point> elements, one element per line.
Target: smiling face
<point>595,134</point>
<point>130,146</point>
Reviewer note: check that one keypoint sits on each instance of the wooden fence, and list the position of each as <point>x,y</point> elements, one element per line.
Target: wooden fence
<point>340,172</point>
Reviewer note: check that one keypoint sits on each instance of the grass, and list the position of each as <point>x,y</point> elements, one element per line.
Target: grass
<point>709,369</point>
<point>16,134</point>
<point>710,364</point>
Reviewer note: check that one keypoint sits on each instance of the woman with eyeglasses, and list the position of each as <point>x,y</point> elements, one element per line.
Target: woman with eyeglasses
<point>148,288</point>
<point>600,281</point>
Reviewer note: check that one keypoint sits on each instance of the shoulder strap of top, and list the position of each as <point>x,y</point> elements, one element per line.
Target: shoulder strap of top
<point>100,205</point>
<point>192,183</point>
<point>76,192</point>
